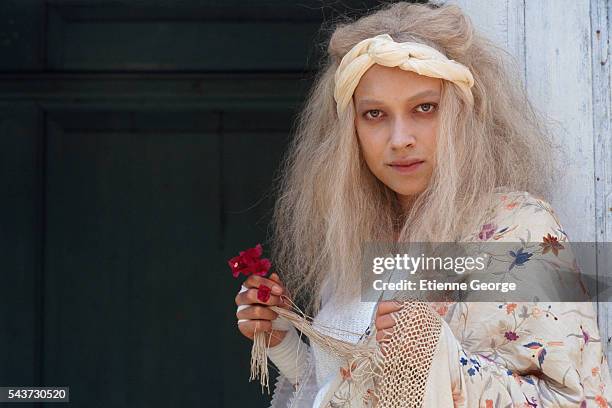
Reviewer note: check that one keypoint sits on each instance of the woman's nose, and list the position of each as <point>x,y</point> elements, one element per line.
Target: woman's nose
<point>402,134</point>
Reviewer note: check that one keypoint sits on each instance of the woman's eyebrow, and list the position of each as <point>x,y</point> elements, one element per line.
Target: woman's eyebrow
<point>429,92</point>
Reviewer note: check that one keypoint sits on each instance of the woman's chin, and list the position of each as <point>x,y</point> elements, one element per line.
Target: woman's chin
<point>408,193</point>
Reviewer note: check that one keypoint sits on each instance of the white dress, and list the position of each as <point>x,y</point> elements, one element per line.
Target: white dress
<point>312,366</point>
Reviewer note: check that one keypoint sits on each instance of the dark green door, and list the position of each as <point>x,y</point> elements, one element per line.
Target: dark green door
<point>138,141</point>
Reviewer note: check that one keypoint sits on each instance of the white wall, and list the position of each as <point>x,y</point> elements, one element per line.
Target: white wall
<point>563,48</point>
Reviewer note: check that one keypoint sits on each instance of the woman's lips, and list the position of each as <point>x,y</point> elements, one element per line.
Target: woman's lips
<point>400,168</point>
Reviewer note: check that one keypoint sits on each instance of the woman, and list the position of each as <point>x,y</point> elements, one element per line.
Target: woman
<point>418,129</point>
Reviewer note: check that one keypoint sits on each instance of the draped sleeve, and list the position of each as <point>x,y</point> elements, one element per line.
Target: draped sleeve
<point>536,353</point>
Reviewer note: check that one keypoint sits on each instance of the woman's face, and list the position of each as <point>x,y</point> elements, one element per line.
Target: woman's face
<point>396,117</point>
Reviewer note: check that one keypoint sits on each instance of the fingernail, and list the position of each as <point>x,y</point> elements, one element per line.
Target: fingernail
<point>277,290</point>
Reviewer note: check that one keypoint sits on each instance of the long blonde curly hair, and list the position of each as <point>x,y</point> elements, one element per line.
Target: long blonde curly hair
<point>329,203</point>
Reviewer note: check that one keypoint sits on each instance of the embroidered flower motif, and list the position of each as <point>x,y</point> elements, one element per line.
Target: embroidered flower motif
<point>487,231</point>
<point>510,308</point>
<point>585,335</point>
<point>551,243</point>
<point>595,371</point>
<point>510,335</point>
<point>249,262</point>
<point>441,307</point>
<point>601,401</point>
<point>346,372</point>
<point>368,396</point>
<point>511,205</point>
<point>442,310</point>
<point>531,403</point>
<point>520,258</point>
<point>536,312</point>
<point>475,364</point>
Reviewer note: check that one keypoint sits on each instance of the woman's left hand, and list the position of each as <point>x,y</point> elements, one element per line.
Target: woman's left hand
<point>384,321</point>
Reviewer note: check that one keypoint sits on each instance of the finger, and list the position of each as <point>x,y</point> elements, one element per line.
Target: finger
<point>388,306</point>
<point>286,297</point>
<point>249,297</point>
<point>275,278</point>
<point>384,335</point>
<point>253,281</point>
<point>256,313</point>
<point>242,289</point>
<point>384,322</point>
<point>278,323</point>
<point>285,302</point>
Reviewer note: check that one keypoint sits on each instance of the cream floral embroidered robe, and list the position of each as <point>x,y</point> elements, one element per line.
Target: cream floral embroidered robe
<point>523,354</point>
<point>492,354</point>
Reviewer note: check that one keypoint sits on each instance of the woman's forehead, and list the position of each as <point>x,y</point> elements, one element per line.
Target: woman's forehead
<point>380,81</point>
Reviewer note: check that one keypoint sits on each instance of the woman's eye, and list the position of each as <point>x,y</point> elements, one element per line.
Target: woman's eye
<point>373,113</point>
<point>423,108</point>
<point>428,107</point>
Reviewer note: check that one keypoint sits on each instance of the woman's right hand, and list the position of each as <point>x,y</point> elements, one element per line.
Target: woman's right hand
<point>257,315</point>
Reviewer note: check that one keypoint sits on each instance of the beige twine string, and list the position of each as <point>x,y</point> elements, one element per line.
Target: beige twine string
<point>302,322</point>
<point>396,370</point>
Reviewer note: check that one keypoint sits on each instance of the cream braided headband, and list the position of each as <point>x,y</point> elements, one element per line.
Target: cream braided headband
<point>409,56</point>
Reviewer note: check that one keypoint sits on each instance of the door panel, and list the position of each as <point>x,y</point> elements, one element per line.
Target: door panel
<point>137,296</point>
<point>139,141</point>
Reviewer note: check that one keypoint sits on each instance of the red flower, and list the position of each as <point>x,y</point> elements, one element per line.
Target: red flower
<point>262,267</point>
<point>249,262</point>
<point>263,293</point>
